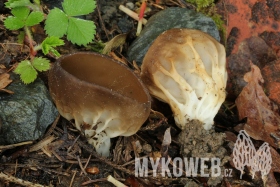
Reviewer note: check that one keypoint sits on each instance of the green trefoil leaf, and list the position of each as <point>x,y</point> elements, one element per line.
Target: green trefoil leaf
<point>41,64</point>
<point>77,7</point>
<point>34,18</point>
<point>13,23</point>
<point>56,23</point>
<point>80,31</point>
<point>26,71</point>
<point>21,12</point>
<point>49,43</point>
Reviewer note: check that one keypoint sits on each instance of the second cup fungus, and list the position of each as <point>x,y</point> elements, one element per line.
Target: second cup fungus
<point>104,97</point>
<point>187,69</point>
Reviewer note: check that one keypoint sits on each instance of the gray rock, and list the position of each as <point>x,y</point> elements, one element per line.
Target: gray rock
<point>167,19</point>
<point>26,114</point>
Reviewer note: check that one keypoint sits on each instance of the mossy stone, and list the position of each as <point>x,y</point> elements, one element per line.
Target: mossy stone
<point>169,18</point>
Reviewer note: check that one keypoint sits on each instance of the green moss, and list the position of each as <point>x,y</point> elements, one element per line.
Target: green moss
<point>200,4</point>
<point>208,8</point>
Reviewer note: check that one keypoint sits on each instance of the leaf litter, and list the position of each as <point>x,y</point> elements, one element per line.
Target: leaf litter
<point>5,80</point>
<point>266,106</point>
<point>262,117</point>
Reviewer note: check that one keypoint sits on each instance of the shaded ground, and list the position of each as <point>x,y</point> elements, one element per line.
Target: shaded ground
<point>70,161</point>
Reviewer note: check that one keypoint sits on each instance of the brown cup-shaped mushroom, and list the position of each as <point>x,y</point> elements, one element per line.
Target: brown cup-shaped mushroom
<point>104,97</point>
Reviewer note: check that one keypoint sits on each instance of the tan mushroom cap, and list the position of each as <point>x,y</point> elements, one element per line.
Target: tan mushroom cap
<point>186,68</point>
<point>104,97</point>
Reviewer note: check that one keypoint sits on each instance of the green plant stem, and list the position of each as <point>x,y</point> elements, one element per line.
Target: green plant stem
<point>28,33</point>
<point>33,52</point>
<point>38,47</point>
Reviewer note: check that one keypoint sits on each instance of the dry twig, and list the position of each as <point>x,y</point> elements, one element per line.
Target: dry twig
<point>5,147</point>
<point>13,179</point>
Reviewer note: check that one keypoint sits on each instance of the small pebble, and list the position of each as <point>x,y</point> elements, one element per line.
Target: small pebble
<point>147,148</point>
<point>130,5</point>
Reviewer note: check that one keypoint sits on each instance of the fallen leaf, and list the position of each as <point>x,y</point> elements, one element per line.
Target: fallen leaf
<point>275,166</point>
<point>271,181</point>
<point>5,81</point>
<point>134,182</point>
<point>251,18</point>
<point>271,75</point>
<point>252,103</point>
<point>244,20</point>
<point>92,170</point>
<point>117,41</point>
<point>253,49</point>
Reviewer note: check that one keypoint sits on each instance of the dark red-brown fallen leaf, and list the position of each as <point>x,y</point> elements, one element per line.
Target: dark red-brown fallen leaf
<point>252,103</point>
<point>253,49</point>
<point>5,81</point>
<point>271,181</point>
<point>273,40</point>
<point>230,136</point>
<point>271,75</point>
<point>92,170</point>
<point>251,18</point>
<point>275,166</point>
<point>245,20</point>
<point>134,182</point>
